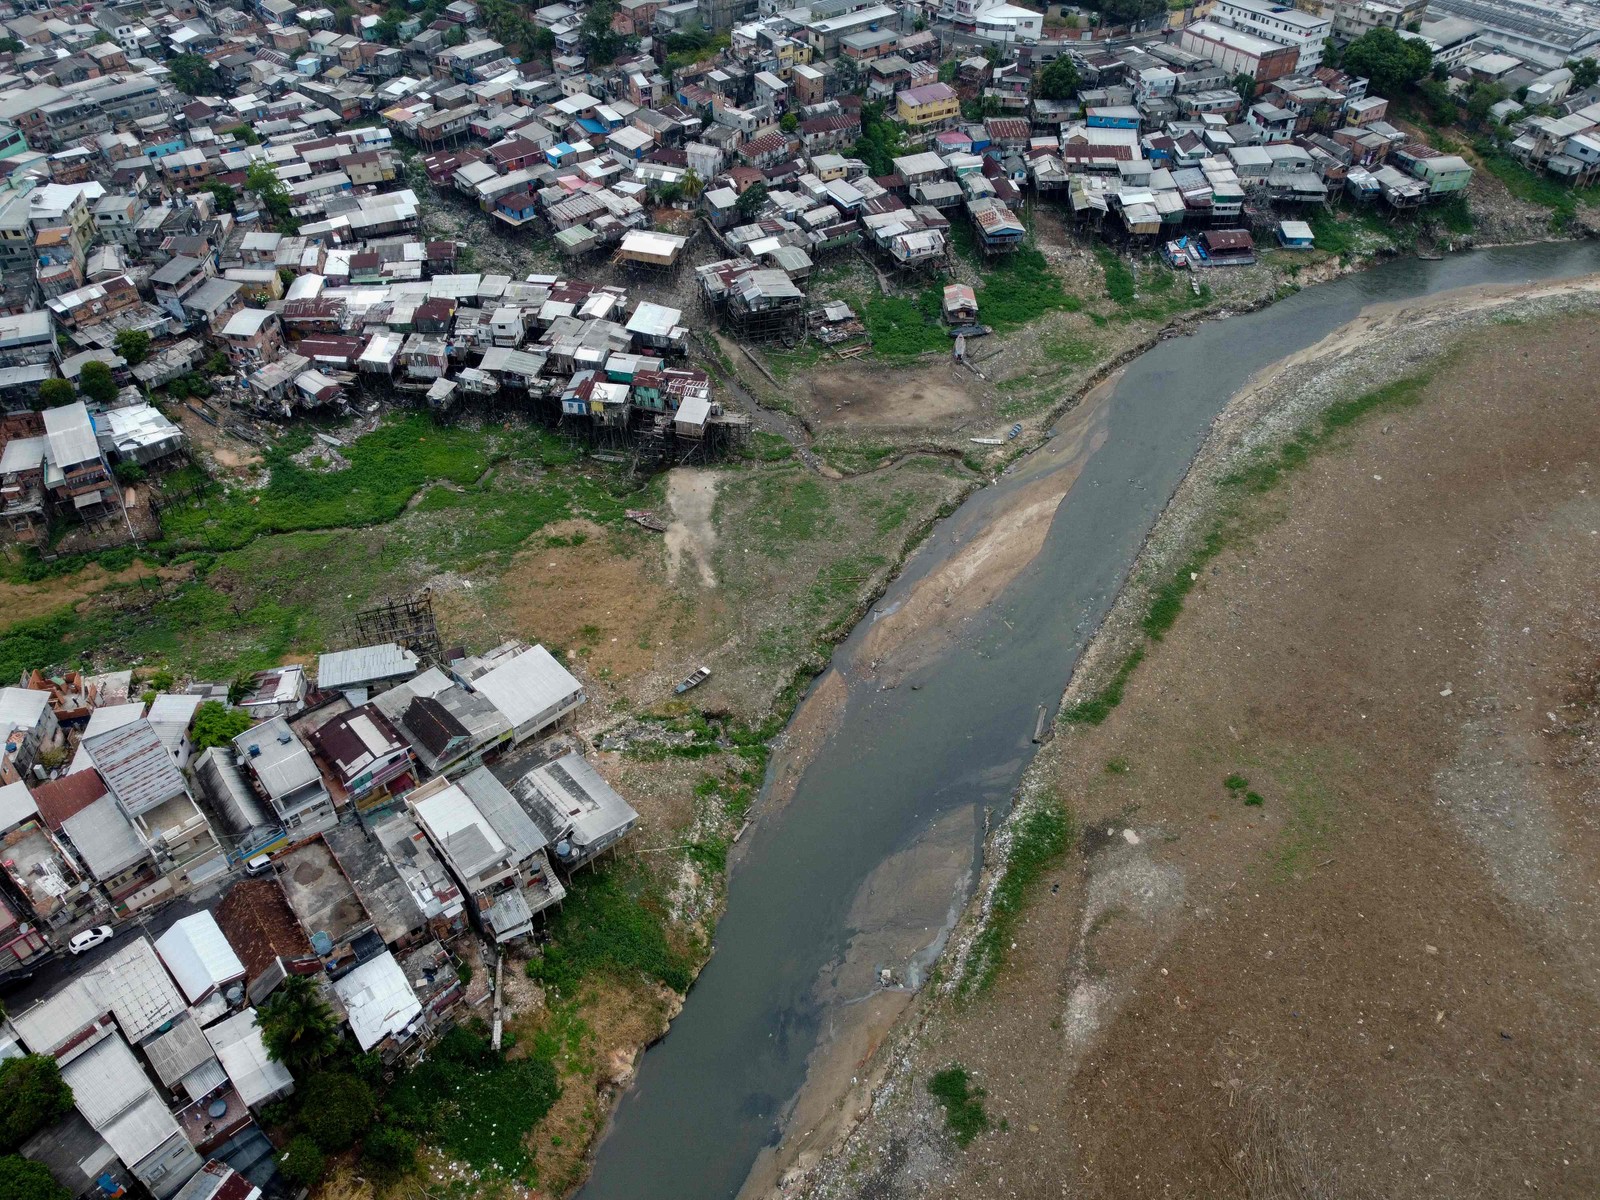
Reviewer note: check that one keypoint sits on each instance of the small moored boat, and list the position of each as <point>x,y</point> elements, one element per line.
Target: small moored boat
<point>700,675</point>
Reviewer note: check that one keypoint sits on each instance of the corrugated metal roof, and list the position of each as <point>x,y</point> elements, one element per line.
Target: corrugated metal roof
<point>178,1051</point>
<point>462,833</point>
<point>528,686</point>
<point>136,766</point>
<point>106,1082</point>
<point>137,989</point>
<point>254,1074</point>
<point>54,1021</point>
<point>71,435</point>
<point>104,837</point>
<point>500,808</point>
<point>364,664</point>
<point>198,955</point>
<point>378,1000</point>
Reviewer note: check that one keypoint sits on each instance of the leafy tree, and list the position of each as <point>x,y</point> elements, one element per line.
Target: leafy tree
<point>1392,63</point>
<point>1245,85</point>
<point>22,1179</point>
<point>194,76</point>
<point>1131,12</point>
<point>95,382</point>
<point>692,184</point>
<point>881,141</point>
<point>245,134</point>
<point>227,198</point>
<point>789,122</point>
<point>751,199</point>
<point>335,1109</point>
<point>455,36</point>
<point>302,1162</point>
<point>1481,97</point>
<point>53,393</point>
<point>389,1151</point>
<point>601,44</point>
<point>1058,81</point>
<point>948,71</point>
<point>262,179</point>
<point>33,1096</point>
<point>298,1027</point>
<point>1440,103</point>
<point>10,45</point>
<point>1585,73</point>
<point>133,345</point>
<point>216,725</point>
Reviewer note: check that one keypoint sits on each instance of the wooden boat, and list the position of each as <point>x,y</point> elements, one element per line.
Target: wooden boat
<point>700,675</point>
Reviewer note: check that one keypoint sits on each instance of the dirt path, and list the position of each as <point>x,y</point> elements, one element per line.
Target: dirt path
<point>24,601</point>
<point>1383,979</point>
<point>692,496</point>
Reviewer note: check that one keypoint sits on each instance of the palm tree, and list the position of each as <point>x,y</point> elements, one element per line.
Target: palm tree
<point>298,1027</point>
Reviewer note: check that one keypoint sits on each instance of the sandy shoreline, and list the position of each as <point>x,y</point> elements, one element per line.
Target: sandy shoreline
<point>1386,341</point>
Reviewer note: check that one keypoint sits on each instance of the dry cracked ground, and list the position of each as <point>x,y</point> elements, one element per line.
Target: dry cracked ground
<point>1381,980</point>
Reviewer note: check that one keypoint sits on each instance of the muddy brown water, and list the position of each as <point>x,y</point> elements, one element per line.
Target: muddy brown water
<point>941,737</point>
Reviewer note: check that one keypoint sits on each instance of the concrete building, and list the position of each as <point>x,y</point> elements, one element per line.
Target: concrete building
<point>1544,32</point>
<point>1280,23</point>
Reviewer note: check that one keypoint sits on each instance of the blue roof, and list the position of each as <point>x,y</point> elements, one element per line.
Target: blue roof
<point>590,125</point>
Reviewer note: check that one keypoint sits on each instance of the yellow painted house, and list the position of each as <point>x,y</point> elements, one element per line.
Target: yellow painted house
<point>929,104</point>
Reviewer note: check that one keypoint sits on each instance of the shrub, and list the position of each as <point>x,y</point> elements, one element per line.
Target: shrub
<point>216,725</point>
<point>611,922</point>
<point>389,1151</point>
<point>302,1163</point>
<point>963,1104</point>
<point>33,1096</point>
<point>21,1179</point>
<point>334,1109</point>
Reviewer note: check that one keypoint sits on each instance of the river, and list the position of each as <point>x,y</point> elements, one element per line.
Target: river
<point>927,727</point>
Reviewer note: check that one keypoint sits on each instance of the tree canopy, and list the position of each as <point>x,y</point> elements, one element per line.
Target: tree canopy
<point>601,44</point>
<point>33,1096</point>
<point>95,382</point>
<point>262,179</point>
<point>751,199</point>
<point>194,76</point>
<point>1390,62</point>
<point>215,725</point>
<point>1585,73</point>
<point>133,345</point>
<point>1058,81</point>
<point>22,1179</point>
<point>53,393</point>
<point>298,1027</point>
<point>1130,12</point>
<point>881,140</point>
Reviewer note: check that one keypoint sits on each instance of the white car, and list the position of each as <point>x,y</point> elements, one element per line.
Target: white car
<point>89,939</point>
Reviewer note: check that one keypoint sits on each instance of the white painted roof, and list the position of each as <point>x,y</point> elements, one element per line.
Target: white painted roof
<point>378,1000</point>
<point>198,955</point>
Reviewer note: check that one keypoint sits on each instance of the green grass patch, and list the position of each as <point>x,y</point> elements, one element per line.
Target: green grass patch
<point>1533,186</point>
<point>1096,708</point>
<point>1018,289</point>
<point>762,446</point>
<point>1455,215</point>
<point>1236,782</point>
<point>1117,766</point>
<point>387,468</point>
<point>1119,277</point>
<point>468,1100</point>
<point>1042,835</point>
<point>614,921</point>
<point>964,1113</point>
<point>792,507</point>
<point>903,327</point>
<point>1071,351</point>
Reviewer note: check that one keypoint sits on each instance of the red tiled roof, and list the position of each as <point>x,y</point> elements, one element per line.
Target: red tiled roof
<point>256,919</point>
<point>68,796</point>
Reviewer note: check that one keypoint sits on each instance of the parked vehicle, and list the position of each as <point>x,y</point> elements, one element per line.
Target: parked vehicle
<point>89,939</point>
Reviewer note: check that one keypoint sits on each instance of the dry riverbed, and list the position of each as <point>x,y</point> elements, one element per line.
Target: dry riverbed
<point>1368,967</point>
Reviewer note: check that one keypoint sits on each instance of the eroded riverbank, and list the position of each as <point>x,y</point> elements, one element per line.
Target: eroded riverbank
<point>899,1149</point>
<point>952,735</point>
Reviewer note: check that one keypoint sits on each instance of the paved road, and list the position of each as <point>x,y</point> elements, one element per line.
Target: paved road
<point>20,993</point>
